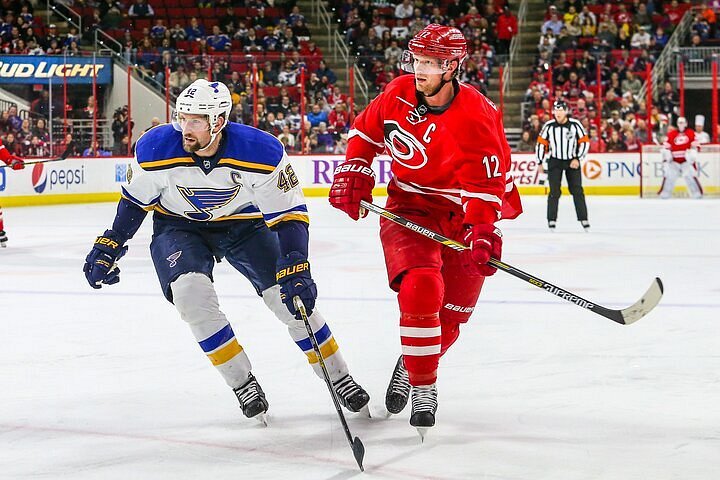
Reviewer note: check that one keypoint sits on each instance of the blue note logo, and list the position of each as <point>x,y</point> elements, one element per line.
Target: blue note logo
<point>205,200</point>
<point>2,179</point>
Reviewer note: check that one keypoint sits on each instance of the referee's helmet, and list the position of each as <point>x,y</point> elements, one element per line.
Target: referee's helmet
<point>560,105</point>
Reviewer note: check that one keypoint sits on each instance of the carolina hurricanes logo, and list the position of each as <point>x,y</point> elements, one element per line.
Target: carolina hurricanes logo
<point>407,150</point>
<point>681,139</point>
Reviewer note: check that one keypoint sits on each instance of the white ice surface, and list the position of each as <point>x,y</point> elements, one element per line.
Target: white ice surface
<point>110,384</point>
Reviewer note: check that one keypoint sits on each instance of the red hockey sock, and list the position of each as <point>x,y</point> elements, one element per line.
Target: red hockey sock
<point>420,298</point>
<point>450,333</point>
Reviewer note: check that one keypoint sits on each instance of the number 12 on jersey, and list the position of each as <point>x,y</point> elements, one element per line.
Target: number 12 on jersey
<point>492,166</point>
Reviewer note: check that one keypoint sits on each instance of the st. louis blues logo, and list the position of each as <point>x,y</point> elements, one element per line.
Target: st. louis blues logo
<point>172,259</point>
<point>204,200</point>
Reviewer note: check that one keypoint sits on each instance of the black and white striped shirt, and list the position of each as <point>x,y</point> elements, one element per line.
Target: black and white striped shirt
<point>564,141</point>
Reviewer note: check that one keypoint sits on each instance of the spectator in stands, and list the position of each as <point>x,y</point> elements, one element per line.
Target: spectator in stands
<point>324,71</point>
<point>325,139</point>
<point>597,144</point>
<point>339,118</point>
<point>96,150</point>
<point>40,130</point>
<point>229,22</point>
<point>287,139</point>
<point>177,33</point>
<point>179,79</point>
<point>301,31</point>
<point>194,31</point>
<point>631,142</point>
<point>631,84</point>
<point>34,147</point>
<point>574,87</point>
<point>252,43</point>
<point>404,9</point>
<point>507,28</point>
<point>526,144</point>
<point>615,142</point>
<point>341,144</point>
<point>12,145</point>
<point>260,21</point>
<point>641,131</point>
<point>640,39</point>
<point>14,121</point>
<point>141,9</point>
<point>611,103</point>
<point>554,24</point>
<point>218,41</point>
<point>317,115</point>
<point>668,99</point>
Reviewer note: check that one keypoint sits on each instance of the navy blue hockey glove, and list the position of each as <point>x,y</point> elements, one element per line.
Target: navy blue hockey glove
<point>293,276</point>
<point>101,263</point>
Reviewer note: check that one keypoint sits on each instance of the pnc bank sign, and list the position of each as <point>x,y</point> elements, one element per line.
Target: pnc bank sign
<point>38,69</point>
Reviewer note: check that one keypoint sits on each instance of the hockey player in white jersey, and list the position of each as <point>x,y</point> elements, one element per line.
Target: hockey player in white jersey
<point>679,154</point>
<point>222,190</point>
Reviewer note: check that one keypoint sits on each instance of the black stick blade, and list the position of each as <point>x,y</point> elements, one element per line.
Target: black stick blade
<point>359,451</point>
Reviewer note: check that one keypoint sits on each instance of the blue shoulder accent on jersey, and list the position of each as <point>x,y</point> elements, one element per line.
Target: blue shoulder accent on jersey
<point>249,144</point>
<point>160,148</point>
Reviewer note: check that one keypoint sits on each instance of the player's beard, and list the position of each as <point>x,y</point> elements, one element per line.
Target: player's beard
<point>193,147</point>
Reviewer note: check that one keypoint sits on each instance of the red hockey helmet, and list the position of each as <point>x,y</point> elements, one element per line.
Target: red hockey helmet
<point>435,41</point>
<point>439,41</point>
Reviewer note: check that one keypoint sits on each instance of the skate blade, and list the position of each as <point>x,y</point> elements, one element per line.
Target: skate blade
<point>422,431</point>
<point>365,411</point>
<point>262,418</point>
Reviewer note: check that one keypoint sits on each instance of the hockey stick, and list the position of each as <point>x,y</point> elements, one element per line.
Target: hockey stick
<point>356,445</point>
<point>63,156</point>
<point>625,316</point>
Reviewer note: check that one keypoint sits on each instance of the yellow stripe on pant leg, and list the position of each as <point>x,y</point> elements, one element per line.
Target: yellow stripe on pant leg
<point>327,349</point>
<point>222,355</point>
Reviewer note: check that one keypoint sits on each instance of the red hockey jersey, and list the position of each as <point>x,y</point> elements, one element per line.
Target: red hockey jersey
<point>678,142</point>
<point>458,158</point>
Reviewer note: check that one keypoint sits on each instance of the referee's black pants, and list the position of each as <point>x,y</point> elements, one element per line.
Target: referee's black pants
<point>556,168</point>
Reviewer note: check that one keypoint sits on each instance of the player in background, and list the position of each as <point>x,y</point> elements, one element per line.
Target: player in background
<point>16,163</point>
<point>679,153</point>
<point>450,168</point>
<point>222,190</point>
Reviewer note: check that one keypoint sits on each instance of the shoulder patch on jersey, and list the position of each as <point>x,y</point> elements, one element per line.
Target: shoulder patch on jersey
<point>161,148</point>
<point>251,149</point>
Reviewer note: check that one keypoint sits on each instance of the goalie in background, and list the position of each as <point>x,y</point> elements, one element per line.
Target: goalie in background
<point>679,154</point>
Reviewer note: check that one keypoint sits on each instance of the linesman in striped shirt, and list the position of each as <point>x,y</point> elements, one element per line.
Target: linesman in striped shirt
<point>562,144</point>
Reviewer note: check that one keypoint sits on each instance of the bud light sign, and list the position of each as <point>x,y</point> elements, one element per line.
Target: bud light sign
<point>52,179</point>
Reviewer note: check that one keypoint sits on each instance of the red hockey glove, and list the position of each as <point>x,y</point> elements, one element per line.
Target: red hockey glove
<point>354,181</point>
<point>485,241</point>
<point>16,163</point>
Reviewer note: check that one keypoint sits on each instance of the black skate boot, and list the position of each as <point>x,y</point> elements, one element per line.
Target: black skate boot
<point>585,224</point>
<point>424,406</point>
<point>551,225</point>
<point>351,395</point>
<point>398,391</point>
<point>3,239</point>
<point>252,399</point>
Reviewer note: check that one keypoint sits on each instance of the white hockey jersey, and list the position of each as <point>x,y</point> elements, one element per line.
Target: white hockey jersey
<point>250,178</point>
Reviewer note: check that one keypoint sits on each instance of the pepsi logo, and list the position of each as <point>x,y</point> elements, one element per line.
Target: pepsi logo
<point>39,178</point>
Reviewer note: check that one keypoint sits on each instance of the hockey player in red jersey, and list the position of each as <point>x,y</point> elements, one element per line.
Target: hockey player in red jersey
<point>450,168</point>
<point>16,163</point>
<point>679,154</point>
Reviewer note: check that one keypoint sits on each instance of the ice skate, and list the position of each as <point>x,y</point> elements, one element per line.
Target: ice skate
<point>586,225</point>
<point>424,406</point>
<point>351,395</point>
<point>398,391</point>
<point>3,239</point>
<point>551,225</point>
<point>252,400</point>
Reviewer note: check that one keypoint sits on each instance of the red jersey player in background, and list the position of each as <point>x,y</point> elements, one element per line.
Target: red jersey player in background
<point>450,168</point>
<point>16,163</point>
<point>679,153</point>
